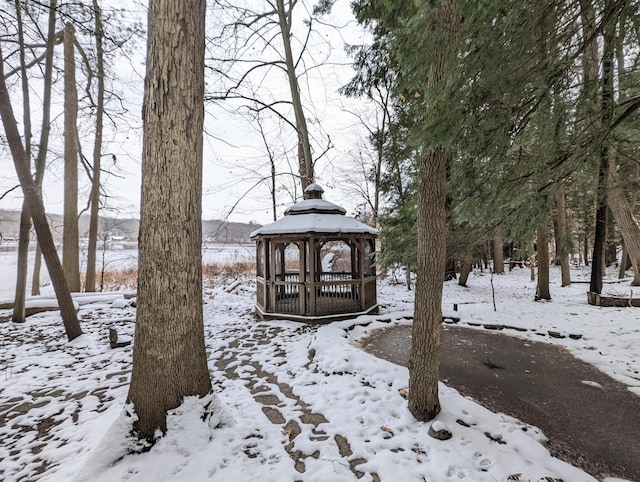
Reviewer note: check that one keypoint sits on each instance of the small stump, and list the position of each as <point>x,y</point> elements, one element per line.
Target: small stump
<point>113,339</point>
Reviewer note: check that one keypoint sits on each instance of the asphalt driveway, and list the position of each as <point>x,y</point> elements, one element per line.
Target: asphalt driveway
<point>591,420</point>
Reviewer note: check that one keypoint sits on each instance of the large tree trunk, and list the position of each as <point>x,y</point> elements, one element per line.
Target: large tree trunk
<point>25,217</point>
<point>562,238</point>
<point>304,146</point>
<point>498,257</point>
<point>424,360</point>
<point>169,359</point>
<point>70,251</point>
<point>621,208</point>
<point>542,290</point>
<point>90,278</point>
<point>627,223</point>
<point>36,206</point>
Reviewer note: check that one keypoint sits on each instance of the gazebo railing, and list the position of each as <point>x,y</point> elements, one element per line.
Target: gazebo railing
<point>337,293</point>
<point>337,297</point>
<point>329,277</point>
<point>370,292</point>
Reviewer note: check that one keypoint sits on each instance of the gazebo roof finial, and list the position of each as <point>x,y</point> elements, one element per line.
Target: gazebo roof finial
<point>313,191</point>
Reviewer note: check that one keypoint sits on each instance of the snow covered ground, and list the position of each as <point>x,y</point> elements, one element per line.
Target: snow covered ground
<point>293,402</point>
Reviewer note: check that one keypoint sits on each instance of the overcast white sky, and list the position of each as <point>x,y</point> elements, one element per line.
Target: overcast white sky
<point>233,152</point>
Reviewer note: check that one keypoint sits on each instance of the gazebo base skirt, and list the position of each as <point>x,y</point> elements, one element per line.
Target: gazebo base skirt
<point>315,319</point>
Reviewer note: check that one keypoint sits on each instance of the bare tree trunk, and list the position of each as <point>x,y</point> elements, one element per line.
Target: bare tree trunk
<point>498,257</point>
<point>304,146</point>
<point>37,266</point>
<point>585,248</point>
<point>273,190</point>
<point>562,238</point>
<point>32,195</point>
<point>19,302</point>
<point>625,219</point>
<point>466,268</point>
<point>624,261</point>
<point>624,211</point>
<point>169,359</point>
<point>44,131</point>
<point>542,290</point>
<point>18,315</point>
<point>533,261</point>
<point>90,278</point>
<point>424,360</point>
<point>70,251</point>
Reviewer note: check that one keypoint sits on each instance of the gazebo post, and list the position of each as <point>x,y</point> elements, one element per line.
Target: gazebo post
<point>272,275</point>
<point>361,272</point>
<point>301,289</point>
<point>312,275</point>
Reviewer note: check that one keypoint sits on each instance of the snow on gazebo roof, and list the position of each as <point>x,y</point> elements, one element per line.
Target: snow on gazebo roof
<point>315,215</point>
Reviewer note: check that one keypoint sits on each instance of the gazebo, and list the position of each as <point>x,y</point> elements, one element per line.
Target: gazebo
<point>315,264</point>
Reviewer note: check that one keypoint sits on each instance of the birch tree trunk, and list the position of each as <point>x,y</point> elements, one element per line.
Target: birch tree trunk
<point>70,251</point>
<point>169,358</point>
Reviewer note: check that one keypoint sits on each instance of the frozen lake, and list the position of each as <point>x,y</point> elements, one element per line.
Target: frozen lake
<point>111,259</point>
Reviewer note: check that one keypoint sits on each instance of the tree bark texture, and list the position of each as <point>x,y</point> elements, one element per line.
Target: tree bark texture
<point>169,359</point>
<point>304,145</point>
<point>90,278</point>
<point>542,290</point>
<point>70,249</point>
<point>498,256</point>
<point>424,362</point>
<point>36,206</point>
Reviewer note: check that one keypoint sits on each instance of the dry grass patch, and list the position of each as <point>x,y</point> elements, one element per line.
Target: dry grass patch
<point>212,273</point>
<point>117,280</point>
<point>222,272</point>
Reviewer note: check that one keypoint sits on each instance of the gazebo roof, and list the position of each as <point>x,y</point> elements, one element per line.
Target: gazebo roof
<point>315,215</point>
